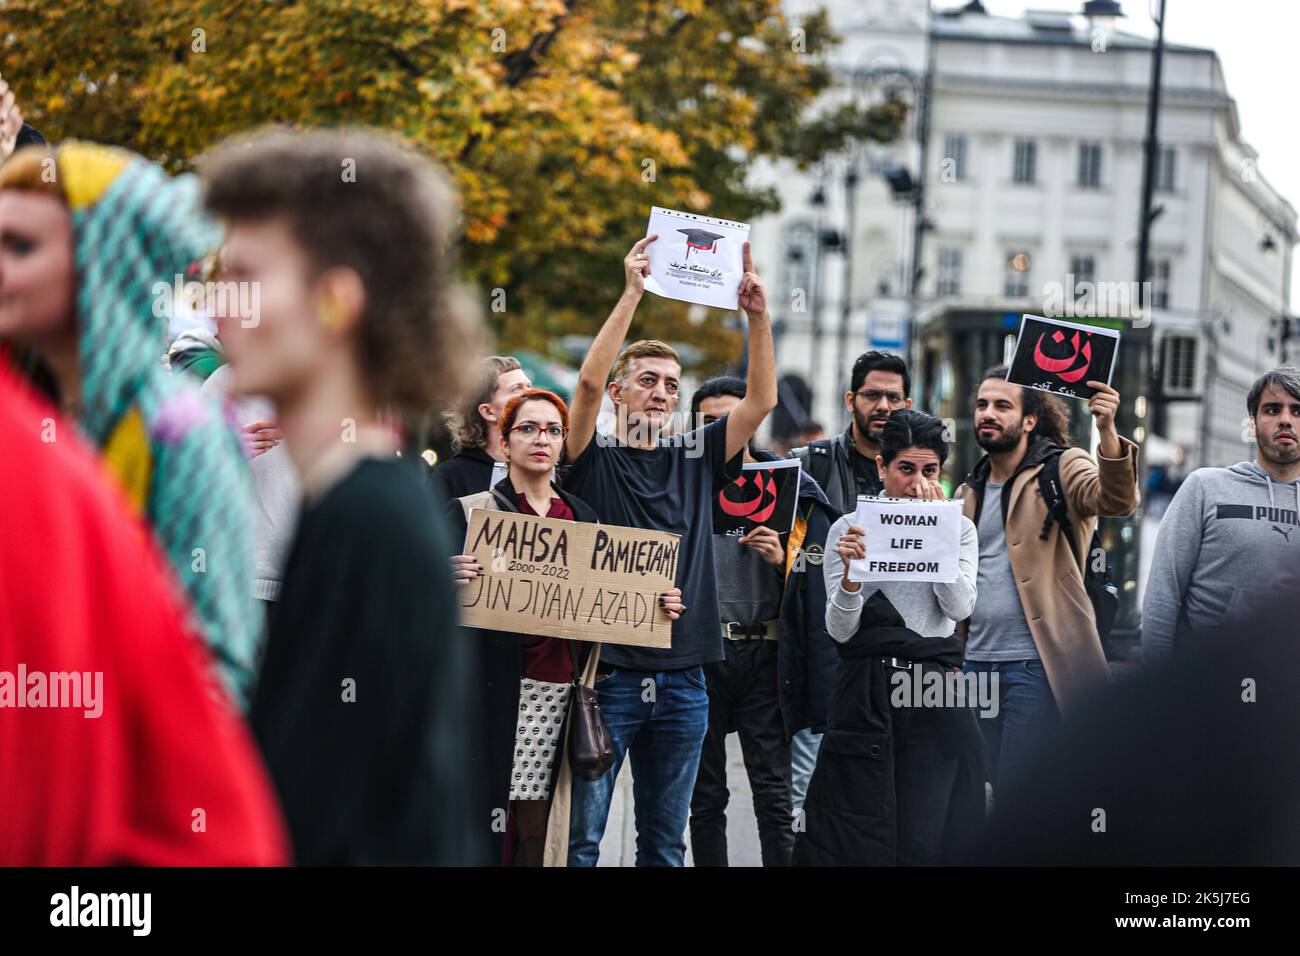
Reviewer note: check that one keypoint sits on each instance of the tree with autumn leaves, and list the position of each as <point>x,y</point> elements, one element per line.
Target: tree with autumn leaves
<point>562,121</point>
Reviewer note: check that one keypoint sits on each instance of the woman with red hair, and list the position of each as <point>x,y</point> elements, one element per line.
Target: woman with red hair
<point>530,678</point>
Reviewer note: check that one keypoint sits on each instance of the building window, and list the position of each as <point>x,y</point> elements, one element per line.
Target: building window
<point>1017,278</point>
<point>1166,167</point>
<point>1026,159</point>
<point>949,278</point>
<point>1159,273</point>
<point>1083,269</point>
<point>1180,365</point>
<point>1090,165</point>
<point>954,158</point>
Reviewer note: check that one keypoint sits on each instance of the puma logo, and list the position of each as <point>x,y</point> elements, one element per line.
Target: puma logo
<point>1286,534</point>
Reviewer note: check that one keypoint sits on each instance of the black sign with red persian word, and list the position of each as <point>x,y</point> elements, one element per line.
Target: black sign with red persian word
<point>765,494</point>
<point>1062,357</point>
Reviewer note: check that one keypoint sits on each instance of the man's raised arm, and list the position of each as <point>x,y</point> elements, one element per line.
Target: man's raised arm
<point>760,387</point>
<point>590,391</point>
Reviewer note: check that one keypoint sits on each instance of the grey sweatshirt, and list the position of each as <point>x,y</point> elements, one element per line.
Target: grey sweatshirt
<point>928,608</point>
<point>1228,548</point>
<point>276,489</point>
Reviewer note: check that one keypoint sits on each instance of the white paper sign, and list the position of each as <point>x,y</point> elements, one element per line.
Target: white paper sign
<point>696,259</point>
<point>908,540</point>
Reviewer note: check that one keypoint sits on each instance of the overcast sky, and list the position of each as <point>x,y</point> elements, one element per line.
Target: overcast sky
<point>1257,44</point>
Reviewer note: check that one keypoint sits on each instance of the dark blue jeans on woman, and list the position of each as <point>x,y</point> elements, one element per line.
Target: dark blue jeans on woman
<point>658,719</point>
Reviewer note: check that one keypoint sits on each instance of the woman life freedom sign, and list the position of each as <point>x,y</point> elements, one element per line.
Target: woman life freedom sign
<point>908,540</point>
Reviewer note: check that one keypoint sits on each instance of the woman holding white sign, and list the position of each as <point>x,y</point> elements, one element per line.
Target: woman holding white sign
<point>530,678</point>
<point>898,775</point>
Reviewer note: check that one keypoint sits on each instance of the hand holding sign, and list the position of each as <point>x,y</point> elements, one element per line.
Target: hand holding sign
<point>852,547</point>
<point>636,265</point>
<point>767,543</point>
<point>464,569</point>
<point>671,602</point>
<point>751,296</point>
<point>1103,405</point>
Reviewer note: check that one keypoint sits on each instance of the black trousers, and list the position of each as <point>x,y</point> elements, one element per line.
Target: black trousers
<point>743,698</point>
<point>924,777</point>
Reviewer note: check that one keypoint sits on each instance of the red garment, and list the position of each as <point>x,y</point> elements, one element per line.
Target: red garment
<point>167,774</point>
<point>547,658</point>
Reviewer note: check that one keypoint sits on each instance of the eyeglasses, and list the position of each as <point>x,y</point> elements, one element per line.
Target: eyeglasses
<point>529,430</point>
<point>874,395</point>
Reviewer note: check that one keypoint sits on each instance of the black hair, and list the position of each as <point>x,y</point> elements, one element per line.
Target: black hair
<point>1285,376</point>
<point>716,388</point>
<point>1052,413</point>
<point>874,361</point>
<point>908,428</point>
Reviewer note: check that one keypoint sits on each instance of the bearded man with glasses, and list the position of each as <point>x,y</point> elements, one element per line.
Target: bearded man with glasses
<point>845,466</point>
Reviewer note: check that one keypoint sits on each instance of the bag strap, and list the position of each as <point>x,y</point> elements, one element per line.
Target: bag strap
<point>588,677</point>
<point>589,674</point>
<point>1049,485</point>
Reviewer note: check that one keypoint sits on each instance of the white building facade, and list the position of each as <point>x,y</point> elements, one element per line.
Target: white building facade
<point>1033,183</point>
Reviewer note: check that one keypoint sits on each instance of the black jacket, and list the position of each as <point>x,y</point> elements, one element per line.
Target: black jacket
<point>1039,450</point>
<point>500,664</point>
<point>807,663</point>
<point>467,472</point>
<point>850,815</point>
<point>829,461</point>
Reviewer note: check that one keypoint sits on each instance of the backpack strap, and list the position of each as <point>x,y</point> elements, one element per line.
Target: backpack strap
<point>1049,486</point>
<point>816,458</point>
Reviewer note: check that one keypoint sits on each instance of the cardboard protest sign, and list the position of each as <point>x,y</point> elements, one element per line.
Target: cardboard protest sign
<point>766,493</point>
<point>1061,357</point>
<point>908,540</point>
<point>578,581</point>
<point>696,259</point>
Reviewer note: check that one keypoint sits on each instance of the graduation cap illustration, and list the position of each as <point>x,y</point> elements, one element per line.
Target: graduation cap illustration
<point>700,239</point>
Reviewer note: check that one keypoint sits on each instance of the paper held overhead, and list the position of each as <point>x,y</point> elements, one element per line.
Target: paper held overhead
<point>1062,357</point>
<point>697,259</point>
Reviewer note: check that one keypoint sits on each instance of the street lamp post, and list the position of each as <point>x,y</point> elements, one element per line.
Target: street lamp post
<point>1149,160</point>
<point>848,251</point>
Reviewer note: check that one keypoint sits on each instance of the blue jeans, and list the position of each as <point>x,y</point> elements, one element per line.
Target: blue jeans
<point>1026,714</point>
<point>803,760</point>
<point>660,719</point>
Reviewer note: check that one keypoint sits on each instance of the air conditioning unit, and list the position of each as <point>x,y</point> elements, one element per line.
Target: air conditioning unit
<point>1180,366</point>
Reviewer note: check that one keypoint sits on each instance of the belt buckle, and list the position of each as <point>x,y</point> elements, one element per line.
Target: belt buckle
<point>729,625</point>
<point>894,663</point>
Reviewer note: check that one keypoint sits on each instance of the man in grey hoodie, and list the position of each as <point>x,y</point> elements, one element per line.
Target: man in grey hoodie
<point>1229,543</point>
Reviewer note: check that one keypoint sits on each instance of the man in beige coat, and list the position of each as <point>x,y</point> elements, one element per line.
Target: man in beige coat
<point>1033,629</point>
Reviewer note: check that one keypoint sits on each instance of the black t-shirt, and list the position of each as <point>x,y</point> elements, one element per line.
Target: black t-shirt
<point>377,771</point>
<point>467,472</point>
<point>668,488</point>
